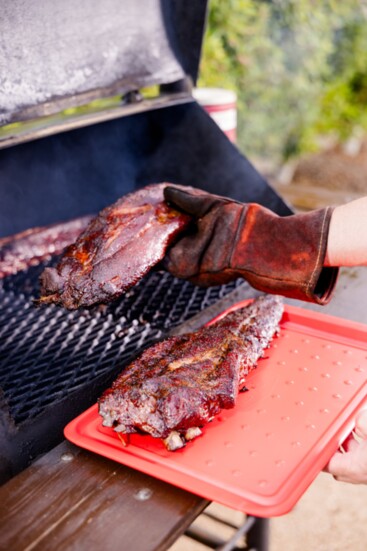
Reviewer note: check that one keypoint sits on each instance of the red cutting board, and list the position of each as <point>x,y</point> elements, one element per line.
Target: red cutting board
<point>261,456</point>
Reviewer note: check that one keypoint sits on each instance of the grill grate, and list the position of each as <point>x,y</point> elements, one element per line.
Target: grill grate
<point>47,353</point>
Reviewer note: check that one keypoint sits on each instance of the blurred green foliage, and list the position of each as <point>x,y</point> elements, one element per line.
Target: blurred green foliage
<point>299,68</point>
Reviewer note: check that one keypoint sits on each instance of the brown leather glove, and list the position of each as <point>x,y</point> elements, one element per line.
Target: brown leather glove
<point>275,254</point>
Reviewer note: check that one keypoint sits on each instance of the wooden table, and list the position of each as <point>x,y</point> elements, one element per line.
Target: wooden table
<point>71,499</point>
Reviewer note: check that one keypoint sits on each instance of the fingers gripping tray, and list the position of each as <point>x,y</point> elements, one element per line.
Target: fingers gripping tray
<point>261,456</point>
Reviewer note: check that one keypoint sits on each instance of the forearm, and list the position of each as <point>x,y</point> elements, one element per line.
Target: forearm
<point>347,241</point>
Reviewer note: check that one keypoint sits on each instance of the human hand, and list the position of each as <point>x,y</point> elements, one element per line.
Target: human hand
<point>275,254</point>
<point>351,465</point>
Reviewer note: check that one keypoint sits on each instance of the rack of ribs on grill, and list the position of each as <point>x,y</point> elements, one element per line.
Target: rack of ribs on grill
<point>30,247</point>
<point>179,384</point>
<point>116,250</point>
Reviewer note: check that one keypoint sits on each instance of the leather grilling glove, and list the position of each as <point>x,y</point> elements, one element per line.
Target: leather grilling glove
<point>230,240</point>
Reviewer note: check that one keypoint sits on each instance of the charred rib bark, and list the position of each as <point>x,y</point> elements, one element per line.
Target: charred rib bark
<point>115,251</point>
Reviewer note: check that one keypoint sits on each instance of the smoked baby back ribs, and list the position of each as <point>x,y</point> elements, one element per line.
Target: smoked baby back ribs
<point>116,250</point>
<point>179,384</point>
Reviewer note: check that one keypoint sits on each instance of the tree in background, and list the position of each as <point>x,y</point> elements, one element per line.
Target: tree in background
<point>299,68</point>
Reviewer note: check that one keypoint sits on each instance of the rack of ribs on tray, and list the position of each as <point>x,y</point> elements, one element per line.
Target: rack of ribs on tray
<point>178,385</point>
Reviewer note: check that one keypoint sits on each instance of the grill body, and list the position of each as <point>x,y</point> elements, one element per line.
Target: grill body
<point>54,363</point>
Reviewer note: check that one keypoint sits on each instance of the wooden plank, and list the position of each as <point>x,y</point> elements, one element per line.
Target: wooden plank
<point>73,499</point>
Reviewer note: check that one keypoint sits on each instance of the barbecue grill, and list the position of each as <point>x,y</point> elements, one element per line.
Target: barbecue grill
<point>62,163</point>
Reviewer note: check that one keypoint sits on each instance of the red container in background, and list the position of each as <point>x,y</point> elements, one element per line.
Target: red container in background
<point>221,105</point>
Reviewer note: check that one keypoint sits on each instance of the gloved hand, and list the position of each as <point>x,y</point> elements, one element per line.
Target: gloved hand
<point>281,255</point>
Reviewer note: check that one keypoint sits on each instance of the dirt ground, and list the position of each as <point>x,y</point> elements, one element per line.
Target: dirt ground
<point>330,516</point>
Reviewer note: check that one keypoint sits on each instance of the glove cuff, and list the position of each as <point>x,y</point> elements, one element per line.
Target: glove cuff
<point>286,255</point>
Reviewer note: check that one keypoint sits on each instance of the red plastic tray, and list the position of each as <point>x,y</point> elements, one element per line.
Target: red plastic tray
<point>261,456</point>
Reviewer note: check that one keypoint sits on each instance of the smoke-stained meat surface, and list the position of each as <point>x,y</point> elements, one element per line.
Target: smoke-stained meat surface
<point>179,384</point>
<point>116,250</point>
<point>29,248</point>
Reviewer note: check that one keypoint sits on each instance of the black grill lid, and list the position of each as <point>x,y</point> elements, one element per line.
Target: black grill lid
<point>57,54</point>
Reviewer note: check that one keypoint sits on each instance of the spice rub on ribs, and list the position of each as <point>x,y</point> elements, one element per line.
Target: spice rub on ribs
<point>179,384</point>
<point>116,250</point>
<point>30,247</point>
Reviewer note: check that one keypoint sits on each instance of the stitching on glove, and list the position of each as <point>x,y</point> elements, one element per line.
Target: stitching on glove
<point>319,249</point>
<point>244,213</point>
